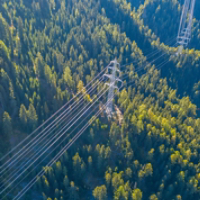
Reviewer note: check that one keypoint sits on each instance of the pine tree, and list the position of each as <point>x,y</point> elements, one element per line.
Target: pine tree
<point>23,116</point>
<point>3,29</point>
<point>32,117</point>
<point>68,77</point>
<point>7,124</point>
<point>90,164</point>
<point>66,183</point>
<point>121,193</point>
<point>21,30</point>
<point>40,66</point>
<point>4,51</point>
<point>137,194</point>
<point>58,170</point>
<point>77,166</point>
<point>100,193</point>
<point>73,192</point>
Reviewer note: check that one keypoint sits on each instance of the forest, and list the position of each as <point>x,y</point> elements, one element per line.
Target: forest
<point>50,50</point>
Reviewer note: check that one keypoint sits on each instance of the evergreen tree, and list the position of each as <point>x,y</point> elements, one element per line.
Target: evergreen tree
<point>32,118</point>
<point>73,192</point>
<point>7,124</point>
<point>100,193</point>
<point>23,116</point>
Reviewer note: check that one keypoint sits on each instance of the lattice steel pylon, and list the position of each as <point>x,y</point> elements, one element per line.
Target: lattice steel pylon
<point>113,66</point>
<point>184,32</point>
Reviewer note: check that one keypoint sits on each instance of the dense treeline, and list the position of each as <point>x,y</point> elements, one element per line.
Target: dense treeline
<point>52,51</point>
<point>49,49</point>
<point>182,72</point>
<point>153,155</point>
<point>168,19</point>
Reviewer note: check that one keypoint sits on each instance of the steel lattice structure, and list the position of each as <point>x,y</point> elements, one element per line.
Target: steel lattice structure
<point>184,32</point>
<point>113,66</point>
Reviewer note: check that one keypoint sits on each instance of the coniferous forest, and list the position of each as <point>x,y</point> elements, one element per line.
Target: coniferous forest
<point>51,49</point>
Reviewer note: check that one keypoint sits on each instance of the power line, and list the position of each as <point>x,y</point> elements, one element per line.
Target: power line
<point>79,116</point>
<point>63,150</point>
<point>63,118</point>
<point>21,150</point>
<point>9,179</point>
<point>71,107</point>
<point>161,65</point>
<point>152,53</point>
<point>12,150</point>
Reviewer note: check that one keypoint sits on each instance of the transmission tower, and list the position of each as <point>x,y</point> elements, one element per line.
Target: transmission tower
<point>113,66</point>
<point>184,33</point>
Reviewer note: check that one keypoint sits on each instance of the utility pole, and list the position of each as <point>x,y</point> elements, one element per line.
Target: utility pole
<point>113,66</point>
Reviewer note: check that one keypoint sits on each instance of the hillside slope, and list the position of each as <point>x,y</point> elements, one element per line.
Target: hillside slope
<point>51,49</point>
